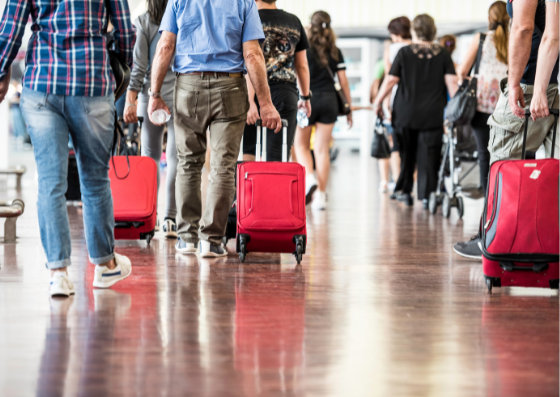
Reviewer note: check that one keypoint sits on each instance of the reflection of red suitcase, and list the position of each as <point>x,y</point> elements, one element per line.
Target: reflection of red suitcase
<point>271,204</point>
<point>520,231</point>
<point>134,188</point>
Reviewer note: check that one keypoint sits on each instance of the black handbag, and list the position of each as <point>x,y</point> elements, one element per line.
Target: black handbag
<point>343,105</point>
<point>462,107</point>
<point>120,68</point>
<point>380,148</point>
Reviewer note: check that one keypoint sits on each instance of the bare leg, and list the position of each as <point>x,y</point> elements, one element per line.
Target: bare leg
<point>395,165</point>
<point>249,157</point>
<point>383,173</point>
<point>323,136</point>
<point>302,148</point>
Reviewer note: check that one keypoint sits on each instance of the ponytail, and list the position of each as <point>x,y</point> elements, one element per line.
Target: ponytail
<point>499,22</point>
<point>322,37</point>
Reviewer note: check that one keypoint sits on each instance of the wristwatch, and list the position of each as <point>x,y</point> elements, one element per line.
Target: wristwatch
<point>307,97</point>
<point>154,94</point>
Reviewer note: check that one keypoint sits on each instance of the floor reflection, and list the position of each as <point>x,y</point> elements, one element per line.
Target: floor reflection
<point>269,331</point>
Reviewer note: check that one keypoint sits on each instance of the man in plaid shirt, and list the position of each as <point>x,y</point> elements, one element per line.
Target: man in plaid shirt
<point>68,90</point>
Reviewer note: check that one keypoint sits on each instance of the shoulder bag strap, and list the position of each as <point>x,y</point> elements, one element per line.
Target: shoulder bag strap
<point>331,73</point>
<point>479,54</point>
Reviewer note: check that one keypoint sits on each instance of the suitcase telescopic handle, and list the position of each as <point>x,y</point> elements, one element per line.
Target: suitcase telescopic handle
<point>260,131</point>
<point>553,112</point>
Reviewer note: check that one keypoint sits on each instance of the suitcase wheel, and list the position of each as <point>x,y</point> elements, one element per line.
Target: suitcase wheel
<point>242,240</point>
<point>300,247</point>
<point>489,284</point>
<point>492,282</point>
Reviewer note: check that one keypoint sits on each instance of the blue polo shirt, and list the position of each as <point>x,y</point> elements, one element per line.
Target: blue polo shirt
<point>211,33</point>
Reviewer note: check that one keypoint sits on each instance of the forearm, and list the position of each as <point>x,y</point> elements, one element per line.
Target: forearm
<point>386,88</point>
<point>141,61</point>
<point>303,79</point>
<point>345,86</point>
<point>258,77</point>
<point>519,53</point>
<point>548,54</point>
<point>162,60</point>
<point>250,90</point>
<point>131,96</point>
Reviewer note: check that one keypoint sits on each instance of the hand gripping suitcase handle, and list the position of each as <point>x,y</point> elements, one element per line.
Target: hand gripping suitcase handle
<point>553,112</point>
<point>260,131</point>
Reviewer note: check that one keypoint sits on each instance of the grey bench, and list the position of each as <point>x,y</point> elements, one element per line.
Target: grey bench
<point>11,211</point>
<point>17,171</point>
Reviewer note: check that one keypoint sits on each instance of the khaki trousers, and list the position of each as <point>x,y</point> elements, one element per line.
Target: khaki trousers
<point>506,129</point>
<point>219,103</point>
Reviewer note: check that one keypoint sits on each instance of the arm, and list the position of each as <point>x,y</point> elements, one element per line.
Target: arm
<point>451,84</point>
<point>160,66</point>
<point>386,89</point>
<point>548,54</point>
<point>302,70</point>
<point>522,27</point>
<point>12,27</point>
<point>253,114</point>
<point>374,90</point>
<point>254,61</point>
<point>123,32</point>
<point>465,67</point>
<point>346,89</point>
<point>138,73</point>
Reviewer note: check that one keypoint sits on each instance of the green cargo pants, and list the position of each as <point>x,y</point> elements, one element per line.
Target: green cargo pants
<point>506,129</point>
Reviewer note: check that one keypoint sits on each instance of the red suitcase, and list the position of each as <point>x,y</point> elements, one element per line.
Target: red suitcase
<point>271,204</point>
<point>520,235</point>
<point>134,189</point>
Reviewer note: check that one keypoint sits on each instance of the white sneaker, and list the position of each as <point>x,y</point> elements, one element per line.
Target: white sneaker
<point>61,285</point>
<point>186,248</point>
<point>310,187</point>
<point>209,250</point>
<point>169,229</point>
<point>105,277</point>
<point>319,201</point>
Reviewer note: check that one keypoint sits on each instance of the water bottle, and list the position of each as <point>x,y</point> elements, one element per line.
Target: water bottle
<point>160,116</point>
<point>302,119</point>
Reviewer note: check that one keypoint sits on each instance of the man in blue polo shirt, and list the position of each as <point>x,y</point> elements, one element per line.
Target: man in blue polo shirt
<point>215,43</point>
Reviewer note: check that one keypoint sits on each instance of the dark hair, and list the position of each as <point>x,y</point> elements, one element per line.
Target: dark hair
<point>269,1</point>
<point>322,37</point>
<point>401,27</point>
<point>425,27</point>
<point>449,42</point>
<point>156,9</point>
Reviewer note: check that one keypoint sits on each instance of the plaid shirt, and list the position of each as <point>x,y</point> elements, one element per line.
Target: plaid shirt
<point>67,52</point>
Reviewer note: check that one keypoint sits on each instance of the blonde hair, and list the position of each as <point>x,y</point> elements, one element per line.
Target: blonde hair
<point>498,20</point>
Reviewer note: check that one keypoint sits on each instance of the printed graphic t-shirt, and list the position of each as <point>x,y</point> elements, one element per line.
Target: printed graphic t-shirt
<point>285,36</point>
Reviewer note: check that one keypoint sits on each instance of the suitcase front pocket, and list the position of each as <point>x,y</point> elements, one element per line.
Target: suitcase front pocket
<point>270,202</point>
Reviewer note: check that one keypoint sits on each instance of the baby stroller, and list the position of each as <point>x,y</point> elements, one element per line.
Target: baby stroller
<point>459,147</point>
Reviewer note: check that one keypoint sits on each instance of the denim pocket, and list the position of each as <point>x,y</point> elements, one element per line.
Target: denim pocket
<point>32,99</point>
<point>235,102</point>
<point>98,106</point>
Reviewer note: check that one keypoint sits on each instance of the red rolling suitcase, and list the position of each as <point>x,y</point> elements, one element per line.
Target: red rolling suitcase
<point>520,223</point>
<point>134,188</point>
<point>271,204</point>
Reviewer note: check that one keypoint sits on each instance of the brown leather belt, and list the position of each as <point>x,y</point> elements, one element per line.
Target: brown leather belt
<point>233,75</point>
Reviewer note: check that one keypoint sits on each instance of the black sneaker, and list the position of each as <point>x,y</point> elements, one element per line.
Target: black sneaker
<point>425,204</point>
<point>210,250</point>
<point>406,198</point>
<point>395,195</point>
<point>470,249</point>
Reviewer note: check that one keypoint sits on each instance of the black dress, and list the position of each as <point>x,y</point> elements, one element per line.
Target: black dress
<point>418,113</point>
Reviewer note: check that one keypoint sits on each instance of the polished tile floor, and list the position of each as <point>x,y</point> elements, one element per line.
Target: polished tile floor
<point>379,307</point>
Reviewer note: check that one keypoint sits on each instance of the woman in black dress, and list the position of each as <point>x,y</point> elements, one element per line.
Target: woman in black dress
<point>425,73</point>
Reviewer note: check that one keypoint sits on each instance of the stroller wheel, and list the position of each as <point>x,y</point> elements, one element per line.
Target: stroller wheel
<point>446,205</point>
<point>460,207</point>
<point>432,203</point>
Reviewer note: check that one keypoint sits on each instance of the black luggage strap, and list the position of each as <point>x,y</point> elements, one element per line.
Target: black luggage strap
<point>536,268</point>
<point>553,112</point>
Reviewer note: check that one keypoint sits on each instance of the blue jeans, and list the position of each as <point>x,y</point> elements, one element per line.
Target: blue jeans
<point>51,119</point>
